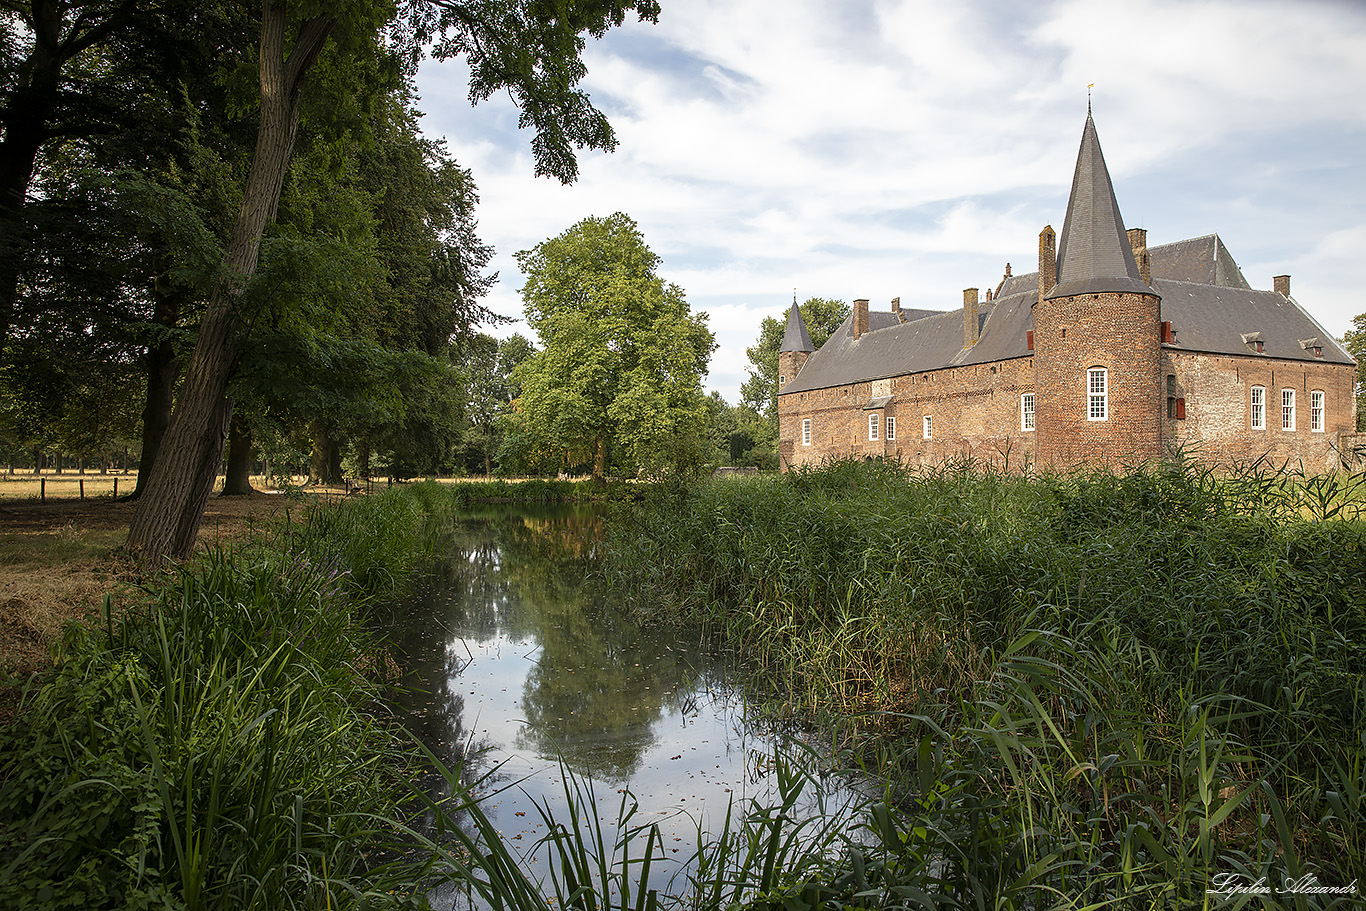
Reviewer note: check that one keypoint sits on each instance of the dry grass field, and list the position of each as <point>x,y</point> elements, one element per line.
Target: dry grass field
<point>60,556</point>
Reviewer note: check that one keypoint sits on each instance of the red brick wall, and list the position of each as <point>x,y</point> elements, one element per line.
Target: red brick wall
<point>1119,332</point>
<point>975,411</point>
<point>1218,424</point>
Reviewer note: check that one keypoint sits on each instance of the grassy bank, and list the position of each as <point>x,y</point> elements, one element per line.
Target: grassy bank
<point>1088,687</point>
<point>212,748</point>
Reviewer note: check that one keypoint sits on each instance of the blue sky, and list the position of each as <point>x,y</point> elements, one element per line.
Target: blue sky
<point>900,148</point>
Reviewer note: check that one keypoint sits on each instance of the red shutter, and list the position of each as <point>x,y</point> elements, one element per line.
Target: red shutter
<point>1029,339</point>
<point>1166,331</point>
<point>1180,409</point>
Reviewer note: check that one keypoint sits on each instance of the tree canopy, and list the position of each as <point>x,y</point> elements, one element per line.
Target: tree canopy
<point>1355,340</point>
<point>618,378</point>
<point>760,392</point>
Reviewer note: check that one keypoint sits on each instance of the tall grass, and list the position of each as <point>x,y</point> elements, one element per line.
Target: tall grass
<point>1094,685</point>
<point>213,748</point>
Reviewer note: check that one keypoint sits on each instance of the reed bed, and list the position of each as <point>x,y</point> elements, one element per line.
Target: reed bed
<point>212,748</point>
<point>1089,690</point>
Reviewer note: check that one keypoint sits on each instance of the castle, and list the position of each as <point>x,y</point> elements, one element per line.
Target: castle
<point>1112,353</point>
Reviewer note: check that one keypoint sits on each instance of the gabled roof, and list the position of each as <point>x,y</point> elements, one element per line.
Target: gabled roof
<point>796,338</point>
<point>1201,259</point>
<point>928,343</point>
<point>1206,317</point>
<point>1214,318</point>
<point>1093,250</point>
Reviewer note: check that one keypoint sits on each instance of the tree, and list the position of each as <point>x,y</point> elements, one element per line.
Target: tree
<point>487,365</point>
<point>622,357</point>
<point>507,45</point>
<point>760,392</point>
<point>1355,340</point>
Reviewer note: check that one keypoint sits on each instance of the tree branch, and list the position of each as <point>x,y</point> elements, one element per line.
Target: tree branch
<point>312,38</point>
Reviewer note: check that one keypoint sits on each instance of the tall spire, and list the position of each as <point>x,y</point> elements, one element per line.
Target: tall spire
<point>1093,251</point>
<point>796,338</point>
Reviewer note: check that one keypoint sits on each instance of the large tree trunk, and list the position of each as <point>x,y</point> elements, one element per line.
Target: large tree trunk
<point>600,459</point>
<point>171,507</point>
<point>325,465</point>
<point>237,476</point>
<point>163,366</point>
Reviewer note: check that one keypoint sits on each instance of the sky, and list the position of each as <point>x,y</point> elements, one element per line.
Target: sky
<point>898,148</point>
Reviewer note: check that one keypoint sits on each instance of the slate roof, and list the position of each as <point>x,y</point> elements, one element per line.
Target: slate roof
<point>1204,295</point>
<point>1093,249</point>
<point>1213,319</point>
<point>1201,259</point>
<point>796,338</point>
<point>928,343</point>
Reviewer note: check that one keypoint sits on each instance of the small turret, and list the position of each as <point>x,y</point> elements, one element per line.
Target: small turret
<point>796,347</point>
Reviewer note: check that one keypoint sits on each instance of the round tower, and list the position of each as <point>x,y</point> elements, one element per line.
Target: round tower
<point>1097,334</point>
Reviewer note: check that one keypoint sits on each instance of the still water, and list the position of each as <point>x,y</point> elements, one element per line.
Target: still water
<point>517,662</point>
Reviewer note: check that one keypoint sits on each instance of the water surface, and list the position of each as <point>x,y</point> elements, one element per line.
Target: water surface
<point>518,661</point>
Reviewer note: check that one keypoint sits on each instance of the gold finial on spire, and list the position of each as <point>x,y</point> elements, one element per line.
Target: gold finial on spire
<point>1088,98</point>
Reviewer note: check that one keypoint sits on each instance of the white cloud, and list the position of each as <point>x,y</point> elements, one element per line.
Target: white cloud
<point>911,148</point>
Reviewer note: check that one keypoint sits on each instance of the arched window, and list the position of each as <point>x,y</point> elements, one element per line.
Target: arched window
<point>1097,394</point>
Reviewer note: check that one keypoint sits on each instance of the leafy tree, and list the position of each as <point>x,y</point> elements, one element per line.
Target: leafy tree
<point>510,45</point>
<point>760,391</point>
<point>1355,340</point>
<point>622,357</point>
<point>488,365</point>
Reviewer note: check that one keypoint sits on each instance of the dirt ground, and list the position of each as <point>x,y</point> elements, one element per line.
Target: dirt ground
<point>59,558</point>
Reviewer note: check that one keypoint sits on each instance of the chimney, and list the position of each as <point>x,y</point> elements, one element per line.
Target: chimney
<point>969,317</point>
<point>1048,260</point>
<point>1282,285</point>
<point>896,308</point>
<point>860,324</point>
<point>1138,243</point>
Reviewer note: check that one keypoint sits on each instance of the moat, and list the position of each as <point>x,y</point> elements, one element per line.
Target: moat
<point>519,664</point>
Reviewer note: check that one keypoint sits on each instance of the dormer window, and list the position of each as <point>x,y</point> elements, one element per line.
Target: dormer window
<point>1254,341</point>
<point>1312,344</point>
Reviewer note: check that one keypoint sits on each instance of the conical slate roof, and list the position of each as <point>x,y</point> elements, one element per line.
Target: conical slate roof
<point>1093,252</point>
<point>796,338</point>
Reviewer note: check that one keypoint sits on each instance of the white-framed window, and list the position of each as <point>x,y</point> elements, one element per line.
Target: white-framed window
<point>1097,394</point>
<point>872,427</point>
<point>806,431</point>
<point>891,428</point>
<point>782,381</point>
<point>928,427</point>
<point>1316,411</point>
<point>1258,407</point>
<point>1027,411</point>
<point>1287,409</point>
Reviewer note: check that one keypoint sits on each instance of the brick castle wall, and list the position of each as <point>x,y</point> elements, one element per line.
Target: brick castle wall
<point>1217,390</point>
<point>974,411</point>
<point>1117,331</point>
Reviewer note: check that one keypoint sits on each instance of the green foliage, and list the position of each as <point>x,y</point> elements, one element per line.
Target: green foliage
<point>1099,684</point>
<point>1355,340</point>
<point>622,357</point>
<point>535,55</point>
<point>210,749</point>
<point>760,391</point>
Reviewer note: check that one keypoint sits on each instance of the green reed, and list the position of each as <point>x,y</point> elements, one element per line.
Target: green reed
<point>213,748</point>
<point>1102,684</point>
